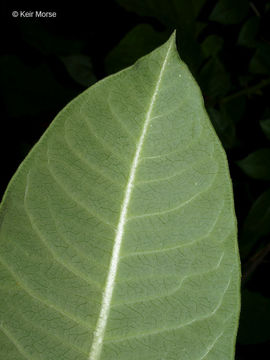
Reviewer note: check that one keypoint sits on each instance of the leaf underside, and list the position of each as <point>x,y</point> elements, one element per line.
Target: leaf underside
<point>118,233</point>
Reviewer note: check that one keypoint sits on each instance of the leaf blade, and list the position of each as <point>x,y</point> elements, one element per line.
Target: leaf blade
<point>72,200</point>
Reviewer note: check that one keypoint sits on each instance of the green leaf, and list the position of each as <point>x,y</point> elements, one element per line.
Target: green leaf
<point>255,318</point>
<point>212,45</point>
<point>265,125</point>
<point>174,14</point>
<point>137,42</point>
<point>199,27</point>
<point>118,233</point>
<point>257,223</point>
<point>260,62</point>
<point>224,127</point>
<point>257,164</point>
<point>171,13</point>
<point>249,31</point>
<point>213,79</point>
<point>234,108</point>
<point>229,11</point>
<point>197,6</point>
<point>80,69</point>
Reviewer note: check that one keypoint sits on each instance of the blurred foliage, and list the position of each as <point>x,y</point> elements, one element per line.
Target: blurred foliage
<point>23,83</point>
<point>229,12</point>
<point>257,164</point>
<point>255,318</point>
<point>265,125</point>
<point>137,42</point>
<point>257,222</point>
<point>225,43</point>
<point>80,69</point>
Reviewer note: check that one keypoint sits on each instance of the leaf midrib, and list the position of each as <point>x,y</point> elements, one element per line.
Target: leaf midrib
<point>99,333</point>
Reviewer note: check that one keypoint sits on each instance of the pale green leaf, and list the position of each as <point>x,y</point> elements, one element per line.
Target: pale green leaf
<point>118,233</point>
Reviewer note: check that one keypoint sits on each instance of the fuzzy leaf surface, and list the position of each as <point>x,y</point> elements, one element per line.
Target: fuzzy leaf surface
<point>118,233</point>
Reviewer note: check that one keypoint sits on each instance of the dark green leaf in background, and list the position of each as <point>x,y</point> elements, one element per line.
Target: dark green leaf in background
<point>257,164</point>
<point>224,127</point>
<point>47,42</point>
<point>174,13</point>
<point>138,42</point>
<point>235,108</point>
<point>212,45</point>
<point>80,69</point>
<point>248,33</point>
<point>199,27</point>
<point>257,223</point>
<point>214,79</point>
<point>255,319</point>
<point>260,62</point>
<point>265,125</point>
<point>23,82</point>
<point>229,11</point>
<point>197,6</point>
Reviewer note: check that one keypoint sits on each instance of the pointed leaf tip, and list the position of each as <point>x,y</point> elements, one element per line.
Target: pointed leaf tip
<point>172,38</point>
<point>171,42</point>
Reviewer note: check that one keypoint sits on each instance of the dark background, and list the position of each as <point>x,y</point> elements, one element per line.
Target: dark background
<point>46,62</point>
